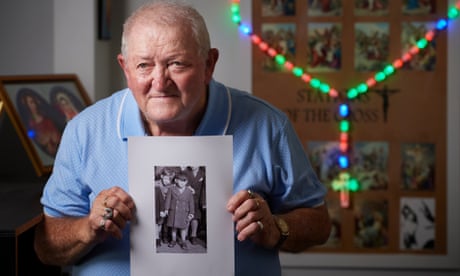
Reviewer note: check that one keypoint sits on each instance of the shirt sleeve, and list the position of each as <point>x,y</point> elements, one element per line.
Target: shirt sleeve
<point>296,183</point>
<point>64,194</point>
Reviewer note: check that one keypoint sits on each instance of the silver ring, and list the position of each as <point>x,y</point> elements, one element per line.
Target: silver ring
<point>108,213</point>
<point>102,224</point>
<point>251,194</point>
<point>261,225</point>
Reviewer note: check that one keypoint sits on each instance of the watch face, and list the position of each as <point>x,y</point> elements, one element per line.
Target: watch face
<point>284,228</point>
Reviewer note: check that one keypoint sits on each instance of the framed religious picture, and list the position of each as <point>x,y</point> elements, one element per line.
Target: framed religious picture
<point>39,107</point>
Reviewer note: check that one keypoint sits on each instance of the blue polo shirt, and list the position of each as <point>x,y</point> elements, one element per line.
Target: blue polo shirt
<point>268,158</point>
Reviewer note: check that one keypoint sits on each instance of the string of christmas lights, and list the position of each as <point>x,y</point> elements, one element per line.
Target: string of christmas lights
<point>344,183</point>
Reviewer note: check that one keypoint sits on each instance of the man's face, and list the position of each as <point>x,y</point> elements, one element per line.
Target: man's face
<point>166,75</point>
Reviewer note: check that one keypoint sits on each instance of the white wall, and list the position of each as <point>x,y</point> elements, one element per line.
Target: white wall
<point>74,40</point>
<point>26,39</point>
<point>60,36</point>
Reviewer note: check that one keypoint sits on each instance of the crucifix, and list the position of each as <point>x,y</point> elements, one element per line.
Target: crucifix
<point>385,93</point>
<point>345,184</point>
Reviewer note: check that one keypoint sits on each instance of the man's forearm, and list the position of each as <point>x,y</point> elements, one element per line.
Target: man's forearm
<point>307,227</point>
<point>63,241</point>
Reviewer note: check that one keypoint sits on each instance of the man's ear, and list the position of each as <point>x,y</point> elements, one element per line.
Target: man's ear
<point>121,61</point>
<point>213,56</point>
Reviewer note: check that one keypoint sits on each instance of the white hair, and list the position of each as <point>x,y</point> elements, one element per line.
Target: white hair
<point>169,13</point>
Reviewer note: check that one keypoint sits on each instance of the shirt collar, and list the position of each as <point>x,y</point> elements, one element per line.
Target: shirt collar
<point>218,111</point>
<point>129,117</point>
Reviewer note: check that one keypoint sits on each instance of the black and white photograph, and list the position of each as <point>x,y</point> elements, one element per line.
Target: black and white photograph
<point>180,209</point>
<point>197,231</point>
<point>417,228</point>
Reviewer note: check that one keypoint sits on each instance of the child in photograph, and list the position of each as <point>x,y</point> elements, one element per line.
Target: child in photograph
<point>162,184</point>
<point>180,209</point>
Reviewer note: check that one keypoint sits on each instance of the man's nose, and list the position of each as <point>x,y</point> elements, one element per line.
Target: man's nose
<point>160,78</point>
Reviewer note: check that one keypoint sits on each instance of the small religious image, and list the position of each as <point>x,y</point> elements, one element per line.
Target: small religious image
<point>180,209</point>
<point>323,157</point>
<point>412,32</point>
<point>370,165</point>
<point>418,166</point>
<point>324,8</point>
<point>324,47</point>
<point>372,45</point>
<point>371,7</point>
<point>281,37</point>
<point>335,212</point>
<point>278,7</point>
<point>371,223</point>
<point>418,7</point>
<point>417,223</point>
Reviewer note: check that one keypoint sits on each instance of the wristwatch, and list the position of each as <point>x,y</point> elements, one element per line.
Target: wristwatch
<point>284,230</point>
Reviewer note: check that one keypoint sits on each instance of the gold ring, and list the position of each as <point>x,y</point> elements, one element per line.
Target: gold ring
<point>251,194</point>
<point>105,201</point>
<point>261,225</point>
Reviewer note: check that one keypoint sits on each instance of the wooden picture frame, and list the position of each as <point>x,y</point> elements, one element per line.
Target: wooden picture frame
<point>39,106</point>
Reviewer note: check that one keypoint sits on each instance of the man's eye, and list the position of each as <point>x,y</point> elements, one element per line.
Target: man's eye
<point>142,65</point>
<point>176,63</point>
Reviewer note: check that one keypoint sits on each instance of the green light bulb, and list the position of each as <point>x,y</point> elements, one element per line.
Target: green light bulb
<point>362,88</point>
<point>353,185</point>
<point>324,88</point>
<point>297,71</point>
<point>315,83</point>
<point>280,59</point>
<point>344,126</point>
<point>389,70</point>
<point>336,185</point>
<point>380,76</point>
<point>352,93</point>
<point>236,18</point>
<point>235,8</point>
<point>422,43</point>
<point>453,13</point>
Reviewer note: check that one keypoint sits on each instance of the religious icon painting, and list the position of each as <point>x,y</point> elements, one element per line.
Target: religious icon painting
<point>335,212</point>
<point>372,44</point>
<point>417,223</point>
<point>418,166</point>
<point>412,32</point>
<point>323,157</point>
<point>281,37</point>
<point>324,8</point>
<point>371,7</point>
<point>324,47</point>
<point>278,7</point>
<point>370,165</point>
<point>39,108</point>
<point>418,7</point>
<point>371,222</point>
